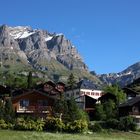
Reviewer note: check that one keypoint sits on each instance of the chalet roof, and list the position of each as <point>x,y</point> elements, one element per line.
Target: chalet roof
<point>130,102</point>
<point>17,92</point>
<point>129,90</point>
<point>84,84</point>
<point>86,96</point>
<point>32,91</point>
<point>106,96</point>
<point>87,84</point>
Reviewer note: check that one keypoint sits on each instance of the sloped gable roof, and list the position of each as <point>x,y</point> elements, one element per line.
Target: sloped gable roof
<point>87,84</point>
<point>30,92</point>
<point>107,95</point>
<point>130,102</point>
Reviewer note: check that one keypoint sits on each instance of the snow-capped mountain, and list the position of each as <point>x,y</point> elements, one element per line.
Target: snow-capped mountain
<point>20,32</point>
<point>38,49</point>
<point>122,78</point>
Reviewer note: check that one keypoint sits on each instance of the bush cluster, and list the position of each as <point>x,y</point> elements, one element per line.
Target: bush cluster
<point>76,126</point>
<point>29,124</point>
<point>124,124</point>
<point>127,123</point>
<point>54,124</point>
<point>5,125</point>
<point>50,124</point>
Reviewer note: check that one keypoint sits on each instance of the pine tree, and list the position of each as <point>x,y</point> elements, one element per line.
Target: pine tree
<point>8,110</point>
<point>29,81</point>
<point>71,80</point>
<point>61,108</point>
<point>74,112</point>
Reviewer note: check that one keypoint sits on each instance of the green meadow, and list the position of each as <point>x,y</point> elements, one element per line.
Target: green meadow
<point>29,135</point>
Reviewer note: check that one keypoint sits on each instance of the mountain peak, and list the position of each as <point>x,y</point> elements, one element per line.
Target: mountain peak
<point>123,78</point>
<point>20,32</point>
<point>40,50</point>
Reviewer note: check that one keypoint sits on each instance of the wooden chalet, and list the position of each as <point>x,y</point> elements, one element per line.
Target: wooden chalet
<point>51,88</point>
<point>130,93</point>
<point>34,103</point>
<point>86,102</point>
<point>131,107</point>
<point>38,102</point>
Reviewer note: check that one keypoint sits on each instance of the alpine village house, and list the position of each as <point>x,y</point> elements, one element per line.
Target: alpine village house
<point>39,101</point>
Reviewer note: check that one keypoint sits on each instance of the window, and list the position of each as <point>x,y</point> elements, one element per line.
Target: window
<point>97,94</point>
<point>24,103</point>
<point>87,93</point>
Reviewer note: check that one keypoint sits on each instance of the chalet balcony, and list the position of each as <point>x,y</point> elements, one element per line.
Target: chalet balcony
<point>34,109</point>
<point>134,113</point>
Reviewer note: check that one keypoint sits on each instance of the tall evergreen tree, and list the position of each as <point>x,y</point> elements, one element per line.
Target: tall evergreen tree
<point>61,108</point>
<point>8,110</point>
<point>71,80</point>
<point>29,80</point>
<point>74,112</point>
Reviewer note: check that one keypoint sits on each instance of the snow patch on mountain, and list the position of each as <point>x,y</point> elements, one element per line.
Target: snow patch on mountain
<point>60,34</point>
<point>48,38</point>
<point>20,32</point>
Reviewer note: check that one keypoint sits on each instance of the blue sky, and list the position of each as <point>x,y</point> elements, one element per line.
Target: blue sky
<point>106,32</point>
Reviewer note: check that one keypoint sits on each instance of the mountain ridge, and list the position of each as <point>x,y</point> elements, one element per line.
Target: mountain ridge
<point>35,49</point>
<point>124,78</point>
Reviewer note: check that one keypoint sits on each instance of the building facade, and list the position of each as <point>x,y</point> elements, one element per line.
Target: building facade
<point>82,91</point>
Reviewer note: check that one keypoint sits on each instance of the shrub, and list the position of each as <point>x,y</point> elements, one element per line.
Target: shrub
<point>96,127</point>
<point>127,123</point>
<point>112,123</point>
<point>54,124</point>
<point>39,125</point>
<point>4,125</point>
<point>77,126</point>
<point>10,126</point>
<point>29,124</point>
<point>20,124</point>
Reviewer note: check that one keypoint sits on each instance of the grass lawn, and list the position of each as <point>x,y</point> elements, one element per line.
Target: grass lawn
<point>26,135</point>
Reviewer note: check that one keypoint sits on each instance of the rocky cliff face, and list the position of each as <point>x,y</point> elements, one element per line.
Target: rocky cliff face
<point>9,47</point>
<point>39,45</point>
<point>122,78</point>
<point>38,49</point>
